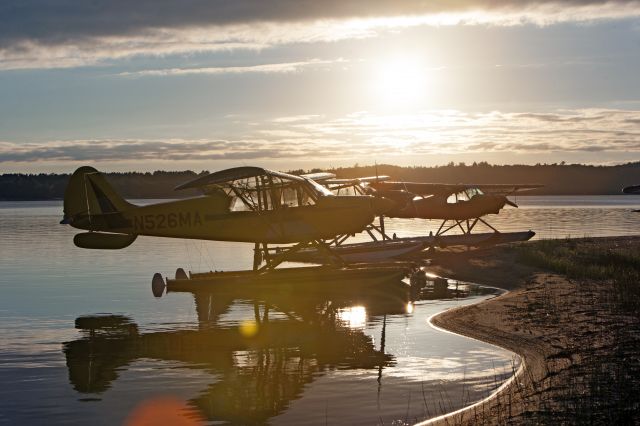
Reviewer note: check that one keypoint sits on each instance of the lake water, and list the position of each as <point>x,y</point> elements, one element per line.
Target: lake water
<point>551,217</point>
<point>84,340</point>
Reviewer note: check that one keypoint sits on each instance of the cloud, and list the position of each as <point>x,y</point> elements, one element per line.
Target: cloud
<point>117,150</point>
<point>556,118</point>
<point>294,118</point>
<point>286,67</point>
<point>366,136</point>
<point>70,33</point>
<point>64,20</point>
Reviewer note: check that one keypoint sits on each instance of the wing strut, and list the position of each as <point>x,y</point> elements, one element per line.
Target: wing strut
<point>272,257</point>
<point>469,225</point>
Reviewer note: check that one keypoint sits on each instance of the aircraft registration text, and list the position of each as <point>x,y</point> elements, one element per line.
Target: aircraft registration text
<point>149,222</point>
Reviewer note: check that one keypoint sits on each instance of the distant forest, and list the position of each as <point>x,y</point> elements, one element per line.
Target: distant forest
<point>559,179</point>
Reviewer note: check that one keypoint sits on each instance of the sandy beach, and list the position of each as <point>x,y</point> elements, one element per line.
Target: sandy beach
<point>581,351</point>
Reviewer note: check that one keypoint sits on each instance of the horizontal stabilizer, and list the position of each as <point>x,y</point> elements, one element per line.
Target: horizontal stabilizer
<point>103,240</point>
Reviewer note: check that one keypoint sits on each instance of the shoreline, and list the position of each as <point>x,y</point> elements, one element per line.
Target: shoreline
<point>461,412</point>
<point>566,331</point>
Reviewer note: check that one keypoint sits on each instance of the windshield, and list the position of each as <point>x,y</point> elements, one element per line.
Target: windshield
<point>271,193</point>
<point>321,189</point>
<point>465,195</point>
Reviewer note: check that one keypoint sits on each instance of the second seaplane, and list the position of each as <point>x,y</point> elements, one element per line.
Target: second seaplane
<point>243,204</point>
<point>459,207</point>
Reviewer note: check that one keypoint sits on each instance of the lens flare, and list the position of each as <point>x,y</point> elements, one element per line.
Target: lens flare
<point>164,411</point>
<point>248,328</point>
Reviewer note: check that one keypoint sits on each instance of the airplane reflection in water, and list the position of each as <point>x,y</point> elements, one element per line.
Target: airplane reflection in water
<point>261,362</point>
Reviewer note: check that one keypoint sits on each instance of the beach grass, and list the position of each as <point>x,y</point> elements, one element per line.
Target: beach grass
<point>573,314</point>
<point>580,259</point>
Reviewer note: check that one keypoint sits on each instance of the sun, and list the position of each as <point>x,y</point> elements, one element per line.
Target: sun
<point>399,81</point>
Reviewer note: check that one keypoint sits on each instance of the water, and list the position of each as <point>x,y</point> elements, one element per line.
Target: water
<point>338,359</point>
<point>551,217</point>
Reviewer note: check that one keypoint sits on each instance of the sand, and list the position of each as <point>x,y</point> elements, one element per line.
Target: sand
<point>581,354</point>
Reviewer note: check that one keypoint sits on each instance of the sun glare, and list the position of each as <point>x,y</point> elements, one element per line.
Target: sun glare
<point>399,81</point>
<point>353,317</point>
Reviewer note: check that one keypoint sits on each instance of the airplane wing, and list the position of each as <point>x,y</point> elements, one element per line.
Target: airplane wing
<point>418,188</point>
<point>446,189</point>
<point>506,188</point>
<point>369,179</point>
<point>355,181</point>
<point>319,177</point>
<point>233,174</point>
<point>340,181</point>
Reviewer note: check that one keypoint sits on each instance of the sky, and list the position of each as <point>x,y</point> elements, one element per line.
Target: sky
<point>284,84</point>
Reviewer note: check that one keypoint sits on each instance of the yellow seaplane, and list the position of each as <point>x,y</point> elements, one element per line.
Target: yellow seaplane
<point>243,204</point>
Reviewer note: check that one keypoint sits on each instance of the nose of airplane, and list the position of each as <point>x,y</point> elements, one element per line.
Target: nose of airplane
<point>382,205</point>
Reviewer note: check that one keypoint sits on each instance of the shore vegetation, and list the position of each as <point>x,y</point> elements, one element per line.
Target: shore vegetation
<point>572,314</point>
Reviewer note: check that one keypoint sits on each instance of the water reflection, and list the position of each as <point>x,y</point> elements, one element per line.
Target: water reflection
<point>261,353</point>
<point>258,372</point>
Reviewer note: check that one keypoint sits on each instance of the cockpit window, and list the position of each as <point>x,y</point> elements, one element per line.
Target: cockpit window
<point>349,190</point>
<point>321,189</point>
<point>268,192</point>
<point>465,195</point>
<point>472,192</point>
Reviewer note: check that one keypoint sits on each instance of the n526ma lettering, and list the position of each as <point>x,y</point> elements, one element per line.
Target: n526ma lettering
<point>163,221</point>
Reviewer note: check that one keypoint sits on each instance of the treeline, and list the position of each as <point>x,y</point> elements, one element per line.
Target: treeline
<point>559,179</point>
<point>158,184</point>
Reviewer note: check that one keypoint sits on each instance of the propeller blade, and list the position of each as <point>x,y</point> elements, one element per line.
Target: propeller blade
<point>511,203</point>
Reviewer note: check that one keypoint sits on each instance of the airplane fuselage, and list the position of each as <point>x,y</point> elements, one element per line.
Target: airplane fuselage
<point>437,207</point>
<point>203,218</point>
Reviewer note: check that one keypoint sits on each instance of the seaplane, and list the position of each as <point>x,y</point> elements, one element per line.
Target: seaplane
<point>462,204</point>
<point>459,207</point>
<point>242,204</point>
<point>633,189</point>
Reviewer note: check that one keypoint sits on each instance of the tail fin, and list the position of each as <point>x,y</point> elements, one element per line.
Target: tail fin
<point>89,194</point>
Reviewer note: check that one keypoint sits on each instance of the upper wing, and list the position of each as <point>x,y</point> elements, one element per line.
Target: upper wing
<point>370,179</point>
<point>236,173</point>
<point>320,176</point>
<point>418,188</point>
<point>354,181</point>
<point>446,189</point>
<point>507,188</point>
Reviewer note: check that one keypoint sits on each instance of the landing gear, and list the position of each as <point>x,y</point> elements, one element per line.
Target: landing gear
<point>272,257</point>
<point>469,224</point>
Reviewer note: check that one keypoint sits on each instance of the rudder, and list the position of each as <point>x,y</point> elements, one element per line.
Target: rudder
<point>89,194</point>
